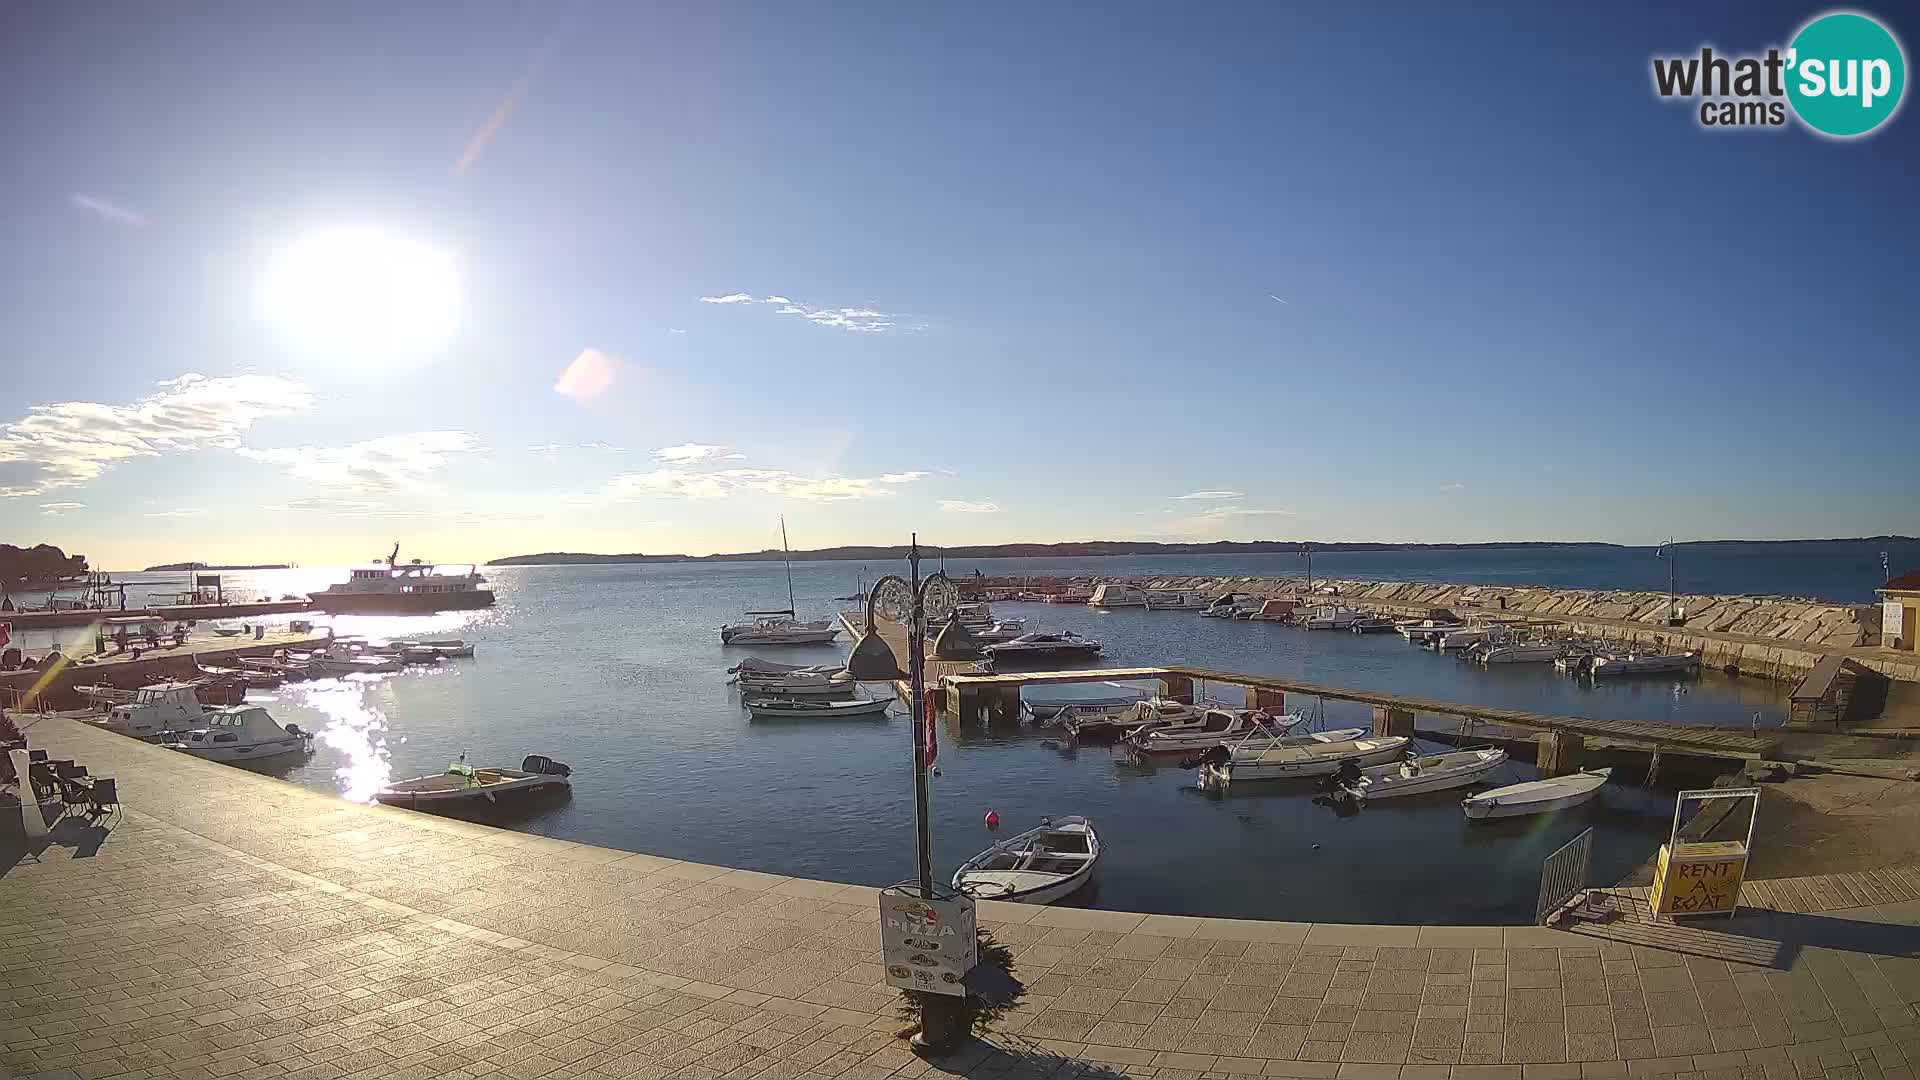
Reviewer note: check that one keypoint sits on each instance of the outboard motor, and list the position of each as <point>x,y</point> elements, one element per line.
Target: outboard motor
<point>545,766</point>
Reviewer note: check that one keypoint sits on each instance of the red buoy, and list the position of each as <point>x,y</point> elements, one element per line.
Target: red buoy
<point>993,819</point>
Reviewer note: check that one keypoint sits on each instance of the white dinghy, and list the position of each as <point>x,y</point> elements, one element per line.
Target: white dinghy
<point>1536,796</point>
<point>1434,772</point>
<point>1038,866</point>
<point>795,709</point>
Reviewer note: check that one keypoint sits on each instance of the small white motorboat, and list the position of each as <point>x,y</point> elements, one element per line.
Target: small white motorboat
<point>1333,618</point>
<point>1419,631</point>
<point>1643,664</point>
<point>778,628</point>
<point>1319,754</point>
<point>244,733</point>
<point>800,709</point>
<point>346,658</point>
<point>1536,796</point>
<point>1519,652</point>
<point>1434,772</point>
<point>765,678</point>
<point>445,648</point>
<point>1027,647</point>
<point>227,628</point>
<point>995,633</point>
<point>153,710</point>
<point>1214,727</point>
<point>1038,866</point>
<point>464,785</point>
<point>1089,723</point>
<point>1174,600</point>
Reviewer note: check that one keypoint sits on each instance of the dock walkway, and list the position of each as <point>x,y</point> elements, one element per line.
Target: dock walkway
<point>127,670</point>
<point>228,924</point>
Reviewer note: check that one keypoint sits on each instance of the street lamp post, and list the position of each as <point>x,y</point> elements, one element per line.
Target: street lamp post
<point>915,602</point>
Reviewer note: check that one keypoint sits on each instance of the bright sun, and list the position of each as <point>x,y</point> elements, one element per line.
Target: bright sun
<point>363,291</point>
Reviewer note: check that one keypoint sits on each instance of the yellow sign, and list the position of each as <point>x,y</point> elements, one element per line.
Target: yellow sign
<point>1698,879</point>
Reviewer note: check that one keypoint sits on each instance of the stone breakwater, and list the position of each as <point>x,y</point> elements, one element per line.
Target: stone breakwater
<point>1772,636</point>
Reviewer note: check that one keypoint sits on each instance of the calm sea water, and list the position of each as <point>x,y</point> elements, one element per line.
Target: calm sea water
<point>618,670</point>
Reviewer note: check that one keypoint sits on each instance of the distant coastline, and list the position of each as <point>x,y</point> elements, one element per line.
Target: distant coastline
<point>1100,548</point>
<point>214,566</point>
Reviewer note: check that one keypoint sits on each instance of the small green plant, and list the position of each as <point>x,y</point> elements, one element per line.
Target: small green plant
<point>975,1012</point>
<point>9,731</point>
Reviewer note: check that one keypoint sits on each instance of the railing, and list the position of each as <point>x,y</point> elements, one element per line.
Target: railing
<point>1563,875</point>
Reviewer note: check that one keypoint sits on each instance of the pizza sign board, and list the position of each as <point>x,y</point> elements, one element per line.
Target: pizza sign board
<point>927,945</point>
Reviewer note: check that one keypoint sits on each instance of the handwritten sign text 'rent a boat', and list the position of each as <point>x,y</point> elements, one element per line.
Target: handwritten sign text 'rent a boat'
<point>927,945</point>
<point>1698,879</point>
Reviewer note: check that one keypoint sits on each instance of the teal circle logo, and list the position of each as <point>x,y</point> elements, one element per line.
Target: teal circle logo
<point>1846,74</point>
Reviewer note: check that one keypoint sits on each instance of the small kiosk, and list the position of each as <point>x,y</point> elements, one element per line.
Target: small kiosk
<point>1702,877</point>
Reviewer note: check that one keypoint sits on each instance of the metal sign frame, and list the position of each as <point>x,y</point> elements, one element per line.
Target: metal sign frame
<point>927,944</point>
<point>1707,795</point>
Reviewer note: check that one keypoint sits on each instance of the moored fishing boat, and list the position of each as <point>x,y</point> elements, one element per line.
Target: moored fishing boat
<point>1091,723</point>
<point>1300,756</point>
<point>1433,772</point>
<point>1213,727</point>
<point>462,785</point>
<point>791,709</point>
<point>1536,796</point>
<point>1632,663</point>
<point>1039,866</point>
<point>242,734</point>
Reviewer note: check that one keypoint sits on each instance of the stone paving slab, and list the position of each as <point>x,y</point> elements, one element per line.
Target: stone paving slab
<point>225,923</point>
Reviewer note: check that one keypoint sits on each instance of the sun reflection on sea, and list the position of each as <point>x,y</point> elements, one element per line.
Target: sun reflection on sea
<point>355,728</point>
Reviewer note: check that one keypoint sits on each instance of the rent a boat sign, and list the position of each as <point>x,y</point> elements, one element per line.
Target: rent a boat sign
<point>927,945</point>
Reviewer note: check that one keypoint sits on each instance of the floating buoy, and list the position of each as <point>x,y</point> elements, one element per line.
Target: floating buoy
<point>1316,847</point>
<point>993,819</point>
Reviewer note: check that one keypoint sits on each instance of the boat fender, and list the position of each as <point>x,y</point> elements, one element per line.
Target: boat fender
<point>993,820</point>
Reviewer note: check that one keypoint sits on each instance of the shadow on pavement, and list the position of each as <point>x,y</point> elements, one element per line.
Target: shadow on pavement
<point>1759,937</point>
<point>1004,1055</point>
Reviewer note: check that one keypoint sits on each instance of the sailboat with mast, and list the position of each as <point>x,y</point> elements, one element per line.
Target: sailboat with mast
<point>782,627</point>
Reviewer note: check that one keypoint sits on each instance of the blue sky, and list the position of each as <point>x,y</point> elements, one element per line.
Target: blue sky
<point>1026,259</point>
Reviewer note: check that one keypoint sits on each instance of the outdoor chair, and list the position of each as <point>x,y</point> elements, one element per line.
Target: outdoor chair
<point>102,795</point>
<point>36,755</point>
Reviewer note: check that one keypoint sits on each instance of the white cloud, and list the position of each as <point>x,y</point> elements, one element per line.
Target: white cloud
<point>106,209</point>
<point>555,448</point>
<point>1213,495</point>
<point>901,477</point>
<point>688,453</point>
<point>335,508</point>
<point>588,376</point>
<point>851,319</point>
<point>1244,511</point>
<point>1455,486</point>
<point>59,508</point>
<point>74,442</point>
<point>185,511</point>
<point>966,506</point>
<point>687,484</point>
<point>675,330</point>
<point>386,464</point>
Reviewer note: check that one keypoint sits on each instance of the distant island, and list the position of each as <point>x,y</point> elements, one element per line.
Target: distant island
<point>213,566</point>
<point>1070,550</point>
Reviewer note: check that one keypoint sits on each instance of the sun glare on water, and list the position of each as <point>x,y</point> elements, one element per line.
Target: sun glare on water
<point>364,291</point>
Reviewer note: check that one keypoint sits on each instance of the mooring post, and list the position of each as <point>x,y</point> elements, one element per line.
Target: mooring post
<point>1176,688</point>
<point>1561,752</point>
<point>1273,702</point>
<point>1390,721</point>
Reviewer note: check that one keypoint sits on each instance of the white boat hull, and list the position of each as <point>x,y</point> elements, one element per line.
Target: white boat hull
<point>1239,771</point>
<point>457,796</point>
<point>874,709</point>
<point>1440,772</point>
<point>1535,797</point>
<point>252,752</point>
<point>1523,654</point>
<point>1029,886</point>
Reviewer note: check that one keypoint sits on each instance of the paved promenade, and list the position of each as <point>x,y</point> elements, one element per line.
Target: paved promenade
<point>230,924</point>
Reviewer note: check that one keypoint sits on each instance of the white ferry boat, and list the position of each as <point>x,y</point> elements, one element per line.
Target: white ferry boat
<point>413,588</point>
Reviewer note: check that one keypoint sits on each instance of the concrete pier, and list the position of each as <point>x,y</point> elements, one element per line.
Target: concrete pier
<point>35,690</point>
<point>227,924</point>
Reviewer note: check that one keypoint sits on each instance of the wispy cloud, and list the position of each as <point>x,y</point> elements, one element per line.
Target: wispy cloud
<point>858,320</point>
<point>555,448</point>
<point>181,512</point>
<point>1455,486</point>
<point>336,508</point>
<point>588,376</point>
<point>1213,496</point>
<point>902,477</point>
<point>675,330</point>
<point>393,463</point>
<point>58,508</point>
<point>687,484</point>
<point>689,453</point>
<point>968,506</point>
<point>1276,299</point>
<point>74,442</point>
<point>108,210</point>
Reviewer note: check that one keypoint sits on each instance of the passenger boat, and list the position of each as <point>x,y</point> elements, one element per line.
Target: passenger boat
<point>1062,646</point>
<point>1089,723</point>
<point>1039,866</point>
<point>1643,664</point>
<point>1214,727</point>
<point>464,785</point>
<point>1333,618</point>
<point>788,709</point>
<point>1300,756</point>
<point>1536,796</point>
<point>1433,772</point>
<point>1113,594</point>
<point>247,733</point>
<point>412,589</point>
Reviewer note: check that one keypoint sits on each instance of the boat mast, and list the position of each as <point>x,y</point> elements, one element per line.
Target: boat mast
<point>786,556</point>
<point>1670,580</point>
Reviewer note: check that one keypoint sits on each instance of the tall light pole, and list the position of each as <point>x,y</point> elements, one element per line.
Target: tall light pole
<point>914,602</point>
